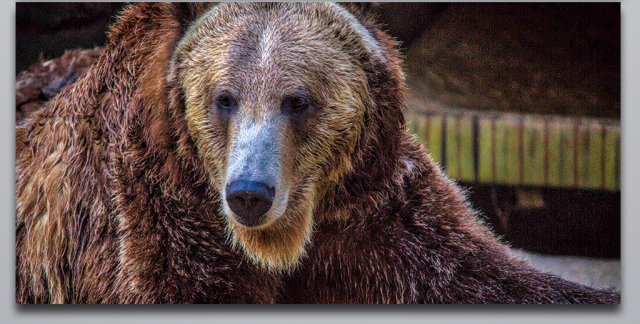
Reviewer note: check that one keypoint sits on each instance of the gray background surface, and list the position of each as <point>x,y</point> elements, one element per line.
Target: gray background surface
<point>628,312</point>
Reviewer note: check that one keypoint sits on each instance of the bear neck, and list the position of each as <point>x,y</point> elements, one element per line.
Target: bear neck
<point>379,153</point>
<point>383,146</point>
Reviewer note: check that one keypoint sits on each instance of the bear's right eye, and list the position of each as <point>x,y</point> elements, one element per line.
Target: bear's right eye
<point>225,102</point>
<point>296,103</point>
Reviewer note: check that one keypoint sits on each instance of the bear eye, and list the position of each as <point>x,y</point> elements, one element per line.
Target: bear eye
<point>225,102</point>
<point>295,104</point>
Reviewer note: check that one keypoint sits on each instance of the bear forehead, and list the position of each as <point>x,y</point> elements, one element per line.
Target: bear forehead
<point>284,45</point>
<point>284,30</point>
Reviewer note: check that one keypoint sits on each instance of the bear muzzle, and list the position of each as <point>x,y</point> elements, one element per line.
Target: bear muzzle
<point>249,201</point>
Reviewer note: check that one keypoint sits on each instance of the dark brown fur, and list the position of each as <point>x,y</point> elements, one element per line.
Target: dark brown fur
<point>114,204</point>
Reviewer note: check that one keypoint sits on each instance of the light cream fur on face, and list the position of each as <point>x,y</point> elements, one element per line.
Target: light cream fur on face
<point>254,154</point>
<point>261,52</point>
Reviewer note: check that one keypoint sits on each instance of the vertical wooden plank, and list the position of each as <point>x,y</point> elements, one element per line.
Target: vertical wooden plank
<point>427,129</point>
<point>603,156</point>
<point>594,169</point>
<point>534,152</point>
<point>419,123</point>
<point>553,153</point>
<point>582,163</point>
<point>618,161</point>
<point>435,138</point>
<point>458,147</point>
<point>576,154</point>
<point>485,147</point>
<point>527,152</point>
<point>465,145</point>
<point>445,119</point>
<point>538,153</point>
<point>412,125</point>
<point>610,157</point>
<point>501,151</point>
<point>514,160</point>
<point>493,150</point>
<point>475,144</point>
<point>521,135</point>
<point>545,150</point>
<point>567,165</point>
<point>452,142</point>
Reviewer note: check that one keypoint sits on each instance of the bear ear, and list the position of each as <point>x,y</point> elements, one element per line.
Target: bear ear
<point>187,12</point>
<point>361,10</point>
<point>362,18</point>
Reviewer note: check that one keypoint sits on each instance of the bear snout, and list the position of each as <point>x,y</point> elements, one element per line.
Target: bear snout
<point>249,201</point>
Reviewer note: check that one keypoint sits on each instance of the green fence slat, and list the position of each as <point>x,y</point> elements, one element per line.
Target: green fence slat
<point>484,151</point>
<point>594,175</point>
<point>533,153</point>
<point>501,151</point>
<point>452,157</point>
<point>611,157</point>
<point>618,162</point>
<point>435,138</point>
<point>420,127</point>
<point>583,157</point>
<point>529,159</point>
<point>466,149</point>
<point>567,165</point>
<point>553,151</point>
<point>513,152</point>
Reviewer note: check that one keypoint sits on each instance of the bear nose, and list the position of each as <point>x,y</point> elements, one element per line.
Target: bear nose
<point>249,200</point>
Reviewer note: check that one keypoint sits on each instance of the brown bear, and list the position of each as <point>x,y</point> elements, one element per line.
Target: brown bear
<point>249,153</point>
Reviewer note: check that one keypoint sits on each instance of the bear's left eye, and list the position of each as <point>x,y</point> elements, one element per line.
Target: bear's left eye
<point>225,102</point>
<point>295,104</point>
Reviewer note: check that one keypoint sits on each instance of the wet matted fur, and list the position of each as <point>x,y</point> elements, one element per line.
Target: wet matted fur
<point>120,178</point>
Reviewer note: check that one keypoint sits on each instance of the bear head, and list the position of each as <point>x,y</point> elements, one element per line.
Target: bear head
<point>284,102</point>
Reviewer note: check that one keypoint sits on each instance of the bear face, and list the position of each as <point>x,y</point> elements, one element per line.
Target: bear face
<point>275,101</point>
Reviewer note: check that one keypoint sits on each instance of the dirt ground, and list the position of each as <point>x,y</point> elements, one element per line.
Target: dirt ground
<point>600,273</point>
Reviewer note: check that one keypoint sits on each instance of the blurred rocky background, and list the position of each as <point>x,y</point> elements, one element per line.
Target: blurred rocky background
<point>46,30</point>
<point>474,71</point>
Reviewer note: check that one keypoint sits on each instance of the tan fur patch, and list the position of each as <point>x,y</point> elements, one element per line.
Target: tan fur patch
<point>45,199</point>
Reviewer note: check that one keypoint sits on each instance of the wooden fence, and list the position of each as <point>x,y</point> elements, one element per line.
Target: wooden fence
<point>519,149</point>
